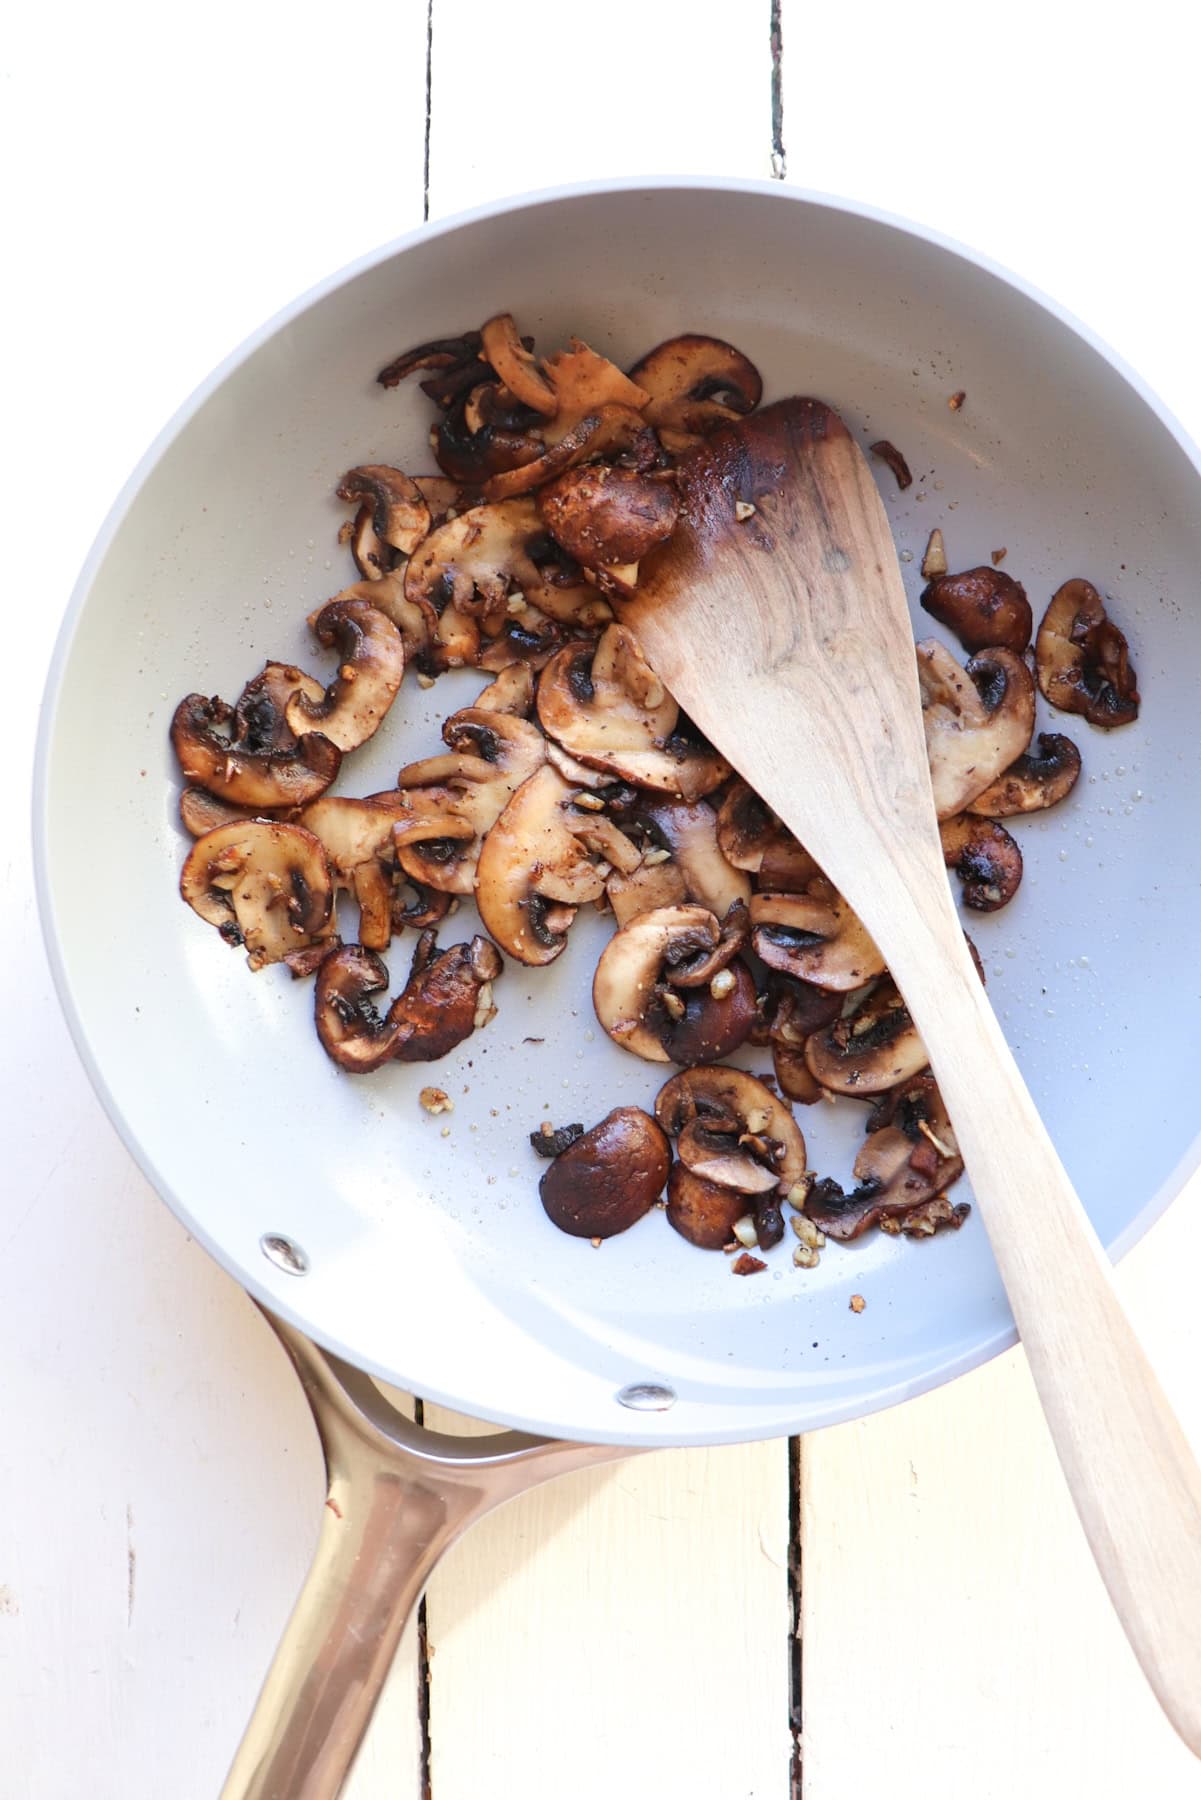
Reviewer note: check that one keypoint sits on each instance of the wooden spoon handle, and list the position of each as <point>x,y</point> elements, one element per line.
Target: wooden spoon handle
<point>1131,1473</point>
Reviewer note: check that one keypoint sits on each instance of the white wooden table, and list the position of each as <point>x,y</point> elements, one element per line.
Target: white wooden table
<point>178,174</point>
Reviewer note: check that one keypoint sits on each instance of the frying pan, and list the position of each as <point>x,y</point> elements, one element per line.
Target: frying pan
<point>387,1243</point>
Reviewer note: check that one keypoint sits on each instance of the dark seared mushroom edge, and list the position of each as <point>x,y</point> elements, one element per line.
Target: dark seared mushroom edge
<point>572,780</point>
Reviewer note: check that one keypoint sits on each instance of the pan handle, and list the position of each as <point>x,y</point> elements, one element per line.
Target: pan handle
<point>398,1496</point>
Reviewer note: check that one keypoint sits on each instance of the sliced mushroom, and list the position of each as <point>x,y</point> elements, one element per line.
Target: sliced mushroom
<point>446,996</point>
<point>602,515</point>
<point>985,858</point>
<point>797,1009</point>
<point>400,516</point>
<point>723,1097</point>
<point>439,353</point>
<point>752,837</point>
<point>909,1157</point>
<point>814,936</point>
<point>512,691</point>
<point>695,383</point>
<point>721,1157</point>
<point>608,708</point>
<point>476,560</point>
<point>583,382</point>
<point>688,831</point>
<point>260,712</point>
<point>371,665</point>
<point>357,838</point>
<point>373,558</point>
<point>1034,781</point>
<point>984,607</point>
<point>534,871</point>
<point>875,1047</point>
<point>606,1180</point>
<point>263,884</point>
<point>611,430</point>
<point>1083,659</point>
<point>265,780</point>
<point>449,803</point>
<point>516,365</point>
<point>646,994</point>
<point>978,720</point>
<point>646,888</point>
<point>200,811</point>
<point>416,620</point>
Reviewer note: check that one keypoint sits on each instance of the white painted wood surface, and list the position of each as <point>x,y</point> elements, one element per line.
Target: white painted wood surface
<point>177,178</point>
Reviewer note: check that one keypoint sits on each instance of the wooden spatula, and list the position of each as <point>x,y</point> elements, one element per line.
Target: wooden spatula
<point>784,633</point>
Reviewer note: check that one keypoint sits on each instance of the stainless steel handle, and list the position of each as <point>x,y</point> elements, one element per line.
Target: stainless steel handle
<point>398,1496</point>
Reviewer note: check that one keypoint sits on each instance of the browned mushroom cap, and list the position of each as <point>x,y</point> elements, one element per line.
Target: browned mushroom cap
<point>263,884</point>
<point>607,1179</point>
<point>687,831</point>
<point>534,871</point>
<point>399,513</point>
<point>874,1048</point>
<point>602,515</point>
<point>752,837</point>
<point>655,991</point>
<point>978,720</point>
<point>1034,781</point>
<point>583,382</point>
<point>512,691</point>
<point>447,996</point>
<point>814,936</point>
<point>984,607</point>
<point>608,708</point>
<point>371,664</point>
<point>439,354</point>
<point>729,1098</point>
<point>265,780</point>
<point>1083,659</point>
<point>357,838</point>
<point>260,719</point>
<point>985,858</point>
<point>516,365</point>
<point>702,1211</point>
<point>695,383</point>
<point>606,431</point>
<point>449,803</point>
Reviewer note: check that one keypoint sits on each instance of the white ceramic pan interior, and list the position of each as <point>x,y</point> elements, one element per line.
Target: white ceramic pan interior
<point>430,1261</point>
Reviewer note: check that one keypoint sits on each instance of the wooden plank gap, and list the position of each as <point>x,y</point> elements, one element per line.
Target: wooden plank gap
<point>779,160</point>
<point>795,1645</point>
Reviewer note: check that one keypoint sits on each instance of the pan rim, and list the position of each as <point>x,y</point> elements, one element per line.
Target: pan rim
<point>628,1428</point>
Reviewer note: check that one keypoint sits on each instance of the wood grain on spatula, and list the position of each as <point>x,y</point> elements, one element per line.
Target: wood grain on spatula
<point>783,631</point>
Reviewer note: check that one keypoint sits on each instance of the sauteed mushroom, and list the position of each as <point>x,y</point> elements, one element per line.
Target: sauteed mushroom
<point>606,1180</point>
<point>438,354</point>
<point>264,779</point>
<point>449,803</point>
<point>985,858</point>
<point>516,365</point>
<point>751,837</point>
<point>1035,781</point>
<point>602,515</point>
<point>583,382</point>
<point>371,665</point>
<point>740,1149</point>
<point>687,831</point>
<point>695,383</point>
<point>910,1156</point>
<point>447,995</point>
<point>657,989</point>
<point>1083,659</point>
<point>984,607</point>
<point>872,1048</point>
<point>535,870</point>
<point>978,720</point>
<point>263,884</point>
<point>400,515</point>
<point>357,838</point>
<point>608,708</point>
<point>814,936</point>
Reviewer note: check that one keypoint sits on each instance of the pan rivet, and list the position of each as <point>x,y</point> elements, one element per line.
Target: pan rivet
<point>646,1396</point>
<point>284,1252</point>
